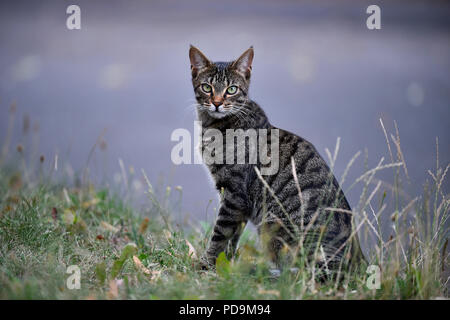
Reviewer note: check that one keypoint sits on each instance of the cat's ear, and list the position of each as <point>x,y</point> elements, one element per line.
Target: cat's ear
<point>198,60</point>
<point>243,64</point>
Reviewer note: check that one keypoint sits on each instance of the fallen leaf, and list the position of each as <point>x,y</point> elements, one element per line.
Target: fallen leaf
<point>127,252</point>
<point>140,266</point>
<point>192,252</point>
<point>91,297</point>
<point>100,270</point>
<point>113,292</point>
<point>167,234</point>
<point>69,217</point>
<point>272,292</point>
<point>90,203</point>
<point>105,225</point>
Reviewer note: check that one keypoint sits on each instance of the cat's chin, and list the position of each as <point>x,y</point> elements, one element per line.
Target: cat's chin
<point>217,115</point>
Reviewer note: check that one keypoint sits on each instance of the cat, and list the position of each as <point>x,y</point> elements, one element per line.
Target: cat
<point>286,212</point>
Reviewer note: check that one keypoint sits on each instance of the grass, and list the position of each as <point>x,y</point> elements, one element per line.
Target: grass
<point>125,253</point>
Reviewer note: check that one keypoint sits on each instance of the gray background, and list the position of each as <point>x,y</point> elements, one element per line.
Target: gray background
<point>318,72</point>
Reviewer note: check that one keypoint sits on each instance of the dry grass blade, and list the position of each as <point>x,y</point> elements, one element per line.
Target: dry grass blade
<point>372,226</point>
<point>349,165</point>
<point>396,141</point>
<point>371,171</point>
<point>371,195</point>
<point>442,177</point>
<point>91,153</point>
<point>155,202</point>
<point>299,190</point>
<point>387,140</point>
<point>339,210</point>
<point>332,158</point>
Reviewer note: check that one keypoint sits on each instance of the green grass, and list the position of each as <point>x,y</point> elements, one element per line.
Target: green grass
<point>46,228</point>
<point>125,253</point>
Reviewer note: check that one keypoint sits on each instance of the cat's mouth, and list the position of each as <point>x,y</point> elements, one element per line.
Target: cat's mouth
<point>217,112</point>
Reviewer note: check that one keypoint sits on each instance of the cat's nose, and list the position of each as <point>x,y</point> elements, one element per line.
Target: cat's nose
<point>217,102</point>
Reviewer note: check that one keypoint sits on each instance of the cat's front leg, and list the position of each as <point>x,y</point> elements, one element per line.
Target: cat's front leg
<point>228,225</point>
<point>230,250</point>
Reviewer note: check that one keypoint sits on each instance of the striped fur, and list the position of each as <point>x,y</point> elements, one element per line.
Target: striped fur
<point>244,196</point>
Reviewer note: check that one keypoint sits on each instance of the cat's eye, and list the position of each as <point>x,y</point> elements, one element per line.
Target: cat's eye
<point>206,88</point>
<point>232,90</point>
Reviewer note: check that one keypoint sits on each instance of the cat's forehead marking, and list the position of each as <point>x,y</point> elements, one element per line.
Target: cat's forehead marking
<point>221,76</point>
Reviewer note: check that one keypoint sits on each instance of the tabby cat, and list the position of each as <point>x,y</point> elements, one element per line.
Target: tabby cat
<point>287,213</point>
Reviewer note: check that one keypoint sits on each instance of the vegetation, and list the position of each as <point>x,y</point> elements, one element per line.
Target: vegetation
<point>48,224</point>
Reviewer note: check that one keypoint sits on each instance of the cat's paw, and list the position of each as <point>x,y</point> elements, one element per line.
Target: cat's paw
<point>206,263</point>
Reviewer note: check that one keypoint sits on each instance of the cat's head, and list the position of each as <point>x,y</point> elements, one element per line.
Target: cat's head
<point>221,88</point>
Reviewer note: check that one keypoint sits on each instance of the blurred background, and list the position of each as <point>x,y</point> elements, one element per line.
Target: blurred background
<point>123,82</point>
